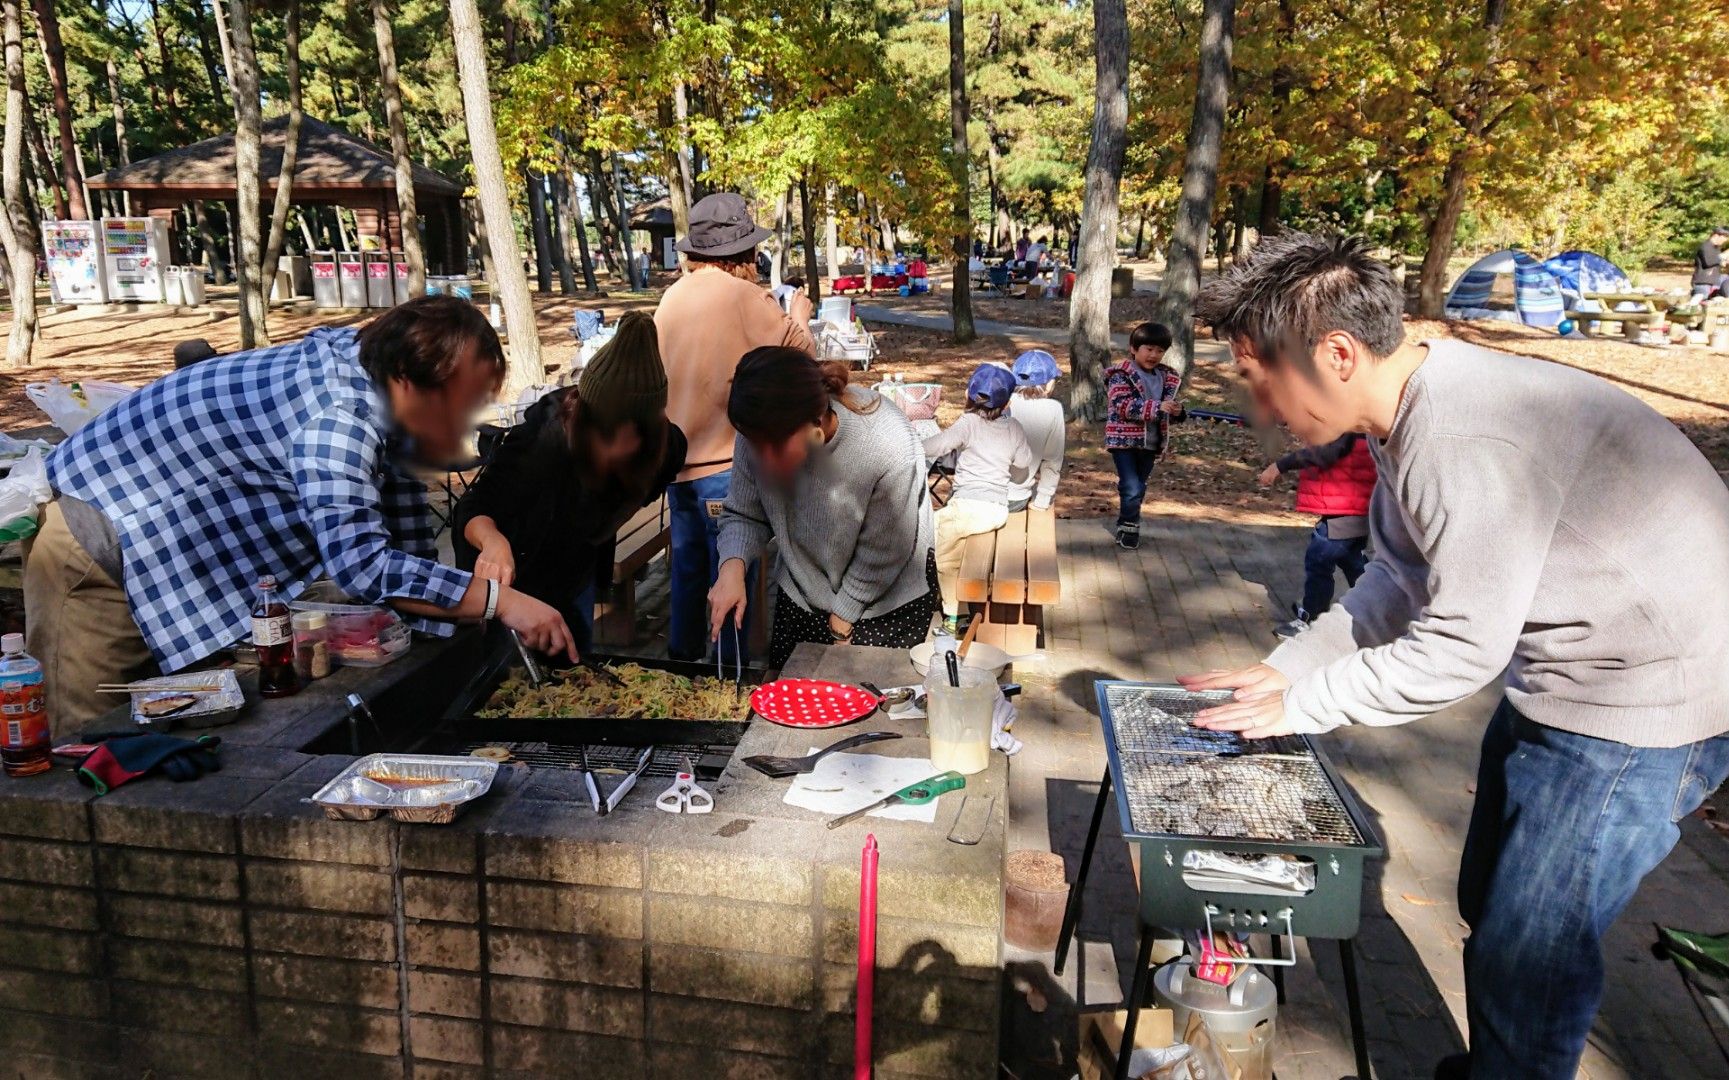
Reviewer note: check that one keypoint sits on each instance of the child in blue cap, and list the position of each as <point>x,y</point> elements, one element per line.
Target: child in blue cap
<point>993,455</point>
<point>1041,417</point>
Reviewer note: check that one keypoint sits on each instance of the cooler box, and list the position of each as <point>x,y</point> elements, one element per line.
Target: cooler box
<point>351,277</point>
<point>437,284</point>
<point>326,293</point>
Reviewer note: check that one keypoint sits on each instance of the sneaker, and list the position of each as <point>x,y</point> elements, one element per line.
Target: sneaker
<point>1128,537</point>
<point>1295,626</point>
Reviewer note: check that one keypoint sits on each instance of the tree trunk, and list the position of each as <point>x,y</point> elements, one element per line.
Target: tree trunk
<point>118,105</point>
<point>961,234</point>
<point>807,213</point>
<point>207,237</point>
<point>681,154</point>
<point>624,226</point>
<point>605,209</point>
<point>782,260</point>
<point>535,184</point>
<point>46,173</point>
<point>170,81</point>
<point>290,155</point>
<point>16,231</point>
<point>1090,306</point>
<point>578,226</point>
<point>561,232</point>
<point>248,260</point>
<point>831,231</point>
<point>208,57</point>
<point>408,214</point>
<point>1193,224</point>
<point>223,39</point>
<point>1272,194</point>
<point>526,368</point>
<point>54,58</point>
<point>1432,290</point>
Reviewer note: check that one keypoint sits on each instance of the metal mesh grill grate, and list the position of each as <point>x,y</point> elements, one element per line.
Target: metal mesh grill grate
<point>1182,780</point>
<point>665,763</point>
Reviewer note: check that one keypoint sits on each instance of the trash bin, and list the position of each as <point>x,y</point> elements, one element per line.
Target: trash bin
<point>326,293</point>
<point>351,276</point>
<point>172,293</point>
<point>1122,282</point>
<point>380,290</point>
<point>399,271</point>
<point>192,285</point>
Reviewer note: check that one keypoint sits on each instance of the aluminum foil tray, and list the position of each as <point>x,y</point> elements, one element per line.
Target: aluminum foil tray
<point>222,707</point>
<point>419,788</point>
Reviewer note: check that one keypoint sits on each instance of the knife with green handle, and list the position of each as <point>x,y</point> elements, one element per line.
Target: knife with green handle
<point>912,795</point>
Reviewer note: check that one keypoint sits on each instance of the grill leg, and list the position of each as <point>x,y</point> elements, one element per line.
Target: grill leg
<point>1278,972</point>
<point>1072,910</point>
<point>1354,1006</point>
<point>1137,994</point>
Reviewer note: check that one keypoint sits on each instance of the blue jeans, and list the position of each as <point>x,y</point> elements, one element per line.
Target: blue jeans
<point>695,563</point>
<point>1323,557</point>
<point>1134,469</point>
<point>1564,828</point>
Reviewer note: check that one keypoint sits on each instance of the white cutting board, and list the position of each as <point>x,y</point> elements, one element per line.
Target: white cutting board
<point>841,783</point>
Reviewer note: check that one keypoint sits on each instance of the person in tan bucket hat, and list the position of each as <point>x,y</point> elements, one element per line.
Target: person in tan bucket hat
<point>714,314</point>
<point>544,514</point>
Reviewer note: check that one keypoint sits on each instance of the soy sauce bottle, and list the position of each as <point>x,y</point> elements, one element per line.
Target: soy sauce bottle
<point>273,637</point>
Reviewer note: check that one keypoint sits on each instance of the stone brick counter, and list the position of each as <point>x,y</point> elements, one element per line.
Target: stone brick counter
<point>225,928</point>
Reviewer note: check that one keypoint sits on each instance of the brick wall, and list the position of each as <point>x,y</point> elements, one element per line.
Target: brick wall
<point>226,929</point>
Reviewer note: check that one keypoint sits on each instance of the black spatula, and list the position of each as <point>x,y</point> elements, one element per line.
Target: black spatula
<point>779,767</point>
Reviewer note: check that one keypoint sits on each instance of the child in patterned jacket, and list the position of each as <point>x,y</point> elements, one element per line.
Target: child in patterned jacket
<point>1141,403</point>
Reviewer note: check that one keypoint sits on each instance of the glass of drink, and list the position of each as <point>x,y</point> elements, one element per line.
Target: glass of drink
<point>960,718</point>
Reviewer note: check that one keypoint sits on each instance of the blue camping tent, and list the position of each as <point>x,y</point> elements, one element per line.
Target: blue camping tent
<point>1581,272</point>
<point>1536,292</point>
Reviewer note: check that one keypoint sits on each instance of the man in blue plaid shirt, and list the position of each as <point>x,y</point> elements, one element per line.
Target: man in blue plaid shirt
<point>291,461</point>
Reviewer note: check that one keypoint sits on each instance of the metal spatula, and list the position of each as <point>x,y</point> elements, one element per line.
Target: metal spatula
<point>779,767</point>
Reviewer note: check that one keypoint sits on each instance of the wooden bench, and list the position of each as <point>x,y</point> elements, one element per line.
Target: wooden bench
<point>1012,575</point>
<point>643,537</point>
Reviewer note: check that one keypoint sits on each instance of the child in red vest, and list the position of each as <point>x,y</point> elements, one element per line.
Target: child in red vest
<point>1335,482</point>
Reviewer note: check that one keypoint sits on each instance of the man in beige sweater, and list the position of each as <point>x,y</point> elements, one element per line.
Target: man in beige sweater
<point>708,319</point>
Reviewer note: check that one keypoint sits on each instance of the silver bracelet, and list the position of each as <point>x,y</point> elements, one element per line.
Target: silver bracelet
<point>491,599</point>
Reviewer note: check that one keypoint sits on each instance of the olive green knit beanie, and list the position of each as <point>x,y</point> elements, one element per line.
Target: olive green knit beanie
<point>626,379</point>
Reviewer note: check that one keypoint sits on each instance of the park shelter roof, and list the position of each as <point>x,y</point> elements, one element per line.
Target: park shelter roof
<point>331,162</point>
<point>652,215</point>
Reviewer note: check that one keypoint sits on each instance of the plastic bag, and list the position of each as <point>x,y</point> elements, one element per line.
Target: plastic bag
<point>72,405</point>
<point>22,495</point>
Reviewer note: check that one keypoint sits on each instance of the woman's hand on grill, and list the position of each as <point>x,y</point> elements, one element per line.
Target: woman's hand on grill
<point>1259,679</point>
<point>727,599</point>
<point>1257,716</point>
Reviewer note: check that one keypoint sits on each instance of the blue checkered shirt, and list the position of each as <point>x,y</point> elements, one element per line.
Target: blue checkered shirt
<point>276,461</point>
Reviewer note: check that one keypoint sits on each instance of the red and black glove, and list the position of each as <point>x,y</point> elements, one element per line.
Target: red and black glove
<point>120,760</point>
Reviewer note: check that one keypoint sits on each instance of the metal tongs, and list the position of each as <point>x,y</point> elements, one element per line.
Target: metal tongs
<point>530,663</point>
<point>738,662</point>
<point>605,806</point>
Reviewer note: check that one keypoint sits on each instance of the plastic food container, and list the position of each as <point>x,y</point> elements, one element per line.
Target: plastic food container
<point>211,710</point>
<point>419,788</point>
<point>959,719</point>
<point>360,635</point>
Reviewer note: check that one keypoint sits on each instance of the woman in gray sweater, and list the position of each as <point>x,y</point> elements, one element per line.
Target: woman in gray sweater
<point>839,482</point>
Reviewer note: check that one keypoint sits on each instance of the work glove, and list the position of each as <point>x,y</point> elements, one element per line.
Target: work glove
<point>124,759</point>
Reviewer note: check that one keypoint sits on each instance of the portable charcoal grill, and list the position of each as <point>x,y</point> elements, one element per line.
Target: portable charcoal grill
<point>1182,789</point>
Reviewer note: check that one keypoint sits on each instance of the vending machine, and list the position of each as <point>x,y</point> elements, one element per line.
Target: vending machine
<point>136,251</point>
<point>76,274</point>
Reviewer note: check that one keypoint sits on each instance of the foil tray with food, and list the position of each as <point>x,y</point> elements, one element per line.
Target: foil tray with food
<point>420,788</point>
<point>186,700</point>
<point>627,691</point>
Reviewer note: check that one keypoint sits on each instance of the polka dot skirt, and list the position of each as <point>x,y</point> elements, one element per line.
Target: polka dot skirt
<point>902,628</point>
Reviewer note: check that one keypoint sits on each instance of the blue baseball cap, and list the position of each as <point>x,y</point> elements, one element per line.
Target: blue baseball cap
<point>991,384</point>
<point>1036,367</point>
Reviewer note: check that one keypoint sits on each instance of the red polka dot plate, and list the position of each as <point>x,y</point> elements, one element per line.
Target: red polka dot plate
<point>812,703</point>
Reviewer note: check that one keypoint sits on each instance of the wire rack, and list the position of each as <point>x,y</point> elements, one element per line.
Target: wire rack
<point>665,763</point>
<point>1181,780</point>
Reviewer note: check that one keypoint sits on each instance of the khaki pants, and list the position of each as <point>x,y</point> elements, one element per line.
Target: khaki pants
<point>955,522</point>
<point>79,626</point>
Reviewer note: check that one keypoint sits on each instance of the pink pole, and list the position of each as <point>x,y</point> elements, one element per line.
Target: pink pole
<point>867,959</point>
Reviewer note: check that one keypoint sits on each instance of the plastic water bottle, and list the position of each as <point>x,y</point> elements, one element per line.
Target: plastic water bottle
<point>24,739</point>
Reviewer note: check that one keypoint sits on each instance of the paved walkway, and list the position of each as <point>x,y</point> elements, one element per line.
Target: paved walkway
<point>1200,595</point>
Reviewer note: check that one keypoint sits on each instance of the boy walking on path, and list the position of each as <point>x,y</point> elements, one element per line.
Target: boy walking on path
<point>1141,405</point>
<point>1334,481</point>
<point>1503,546</point>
